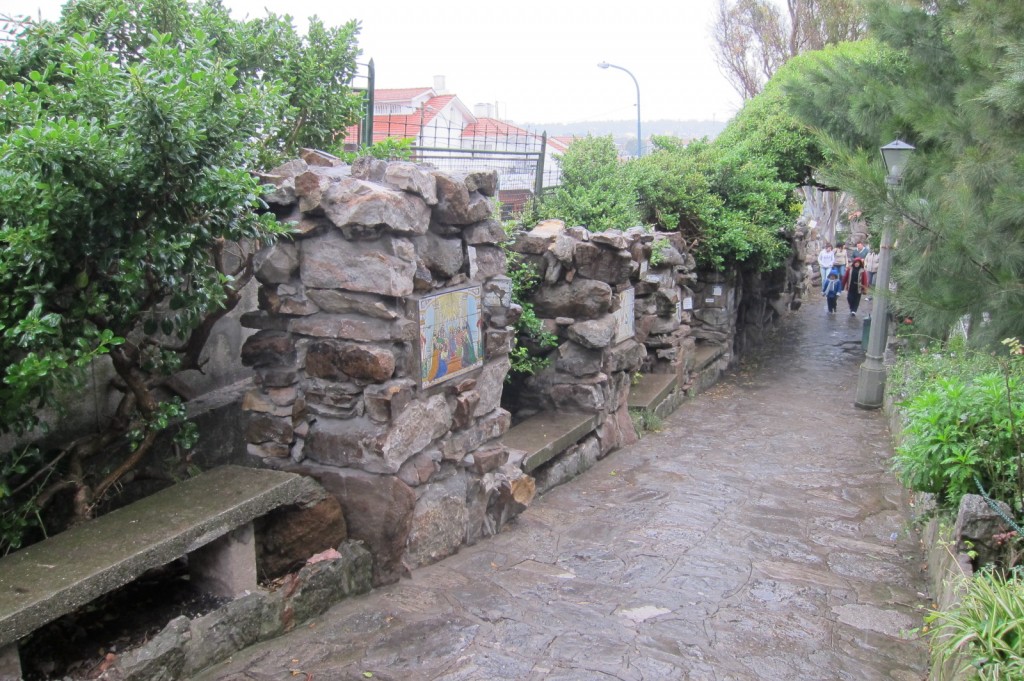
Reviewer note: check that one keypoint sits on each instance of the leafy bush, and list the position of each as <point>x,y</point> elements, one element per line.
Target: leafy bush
<point>596,191</point>
<point>129,213</point>
<point>727,201</point>
<point>985,629</point>
<point>387,149</point>
<point>962,422</point>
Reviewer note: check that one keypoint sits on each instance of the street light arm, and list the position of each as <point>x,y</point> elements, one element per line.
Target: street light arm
<point>639,138</point>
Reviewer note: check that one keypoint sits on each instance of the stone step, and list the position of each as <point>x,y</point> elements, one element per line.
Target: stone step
<point>705,355</point>
<point>548,434</point>
<point>652,391</point>
<point>705,370</point>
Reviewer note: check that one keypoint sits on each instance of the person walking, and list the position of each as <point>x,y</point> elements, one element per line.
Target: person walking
<point>841,260</point>
<point>826,259</point>
<point>855,283</point>
<point>860,250</point>
<point>833,287</point>
<point>871,266</point>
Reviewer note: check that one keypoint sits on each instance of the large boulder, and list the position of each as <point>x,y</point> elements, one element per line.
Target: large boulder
<point>378,511</point>
<point>289,535</point>
<point>332,262</point>
<point>600,262</point>
<point>438,522</point>
<point>580,299</point>
<point>355,203</point>
<point>456,204</point>
<point>412,178</point>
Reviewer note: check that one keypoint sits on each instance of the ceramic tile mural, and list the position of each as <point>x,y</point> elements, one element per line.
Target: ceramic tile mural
<point>451,334</point>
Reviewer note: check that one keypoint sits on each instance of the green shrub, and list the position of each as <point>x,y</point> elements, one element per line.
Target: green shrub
<point>387,149</point>
<point>596,191</point>
<point>962,413</point>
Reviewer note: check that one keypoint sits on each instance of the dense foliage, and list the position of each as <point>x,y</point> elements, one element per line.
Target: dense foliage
<point>731,198</point>
<point>961,427</point>
<point>728,204</point>
<point>963,414</point>
<point>595,191</point>
<point>945,76</point>
<point>129,212</point>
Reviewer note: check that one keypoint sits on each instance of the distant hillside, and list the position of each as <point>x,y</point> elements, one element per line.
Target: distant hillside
<point>683,129</point>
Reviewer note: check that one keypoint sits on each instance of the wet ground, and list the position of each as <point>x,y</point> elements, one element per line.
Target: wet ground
<point>759,535</point>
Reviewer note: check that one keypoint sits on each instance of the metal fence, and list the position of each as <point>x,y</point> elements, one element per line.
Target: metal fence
<point>522,158</point>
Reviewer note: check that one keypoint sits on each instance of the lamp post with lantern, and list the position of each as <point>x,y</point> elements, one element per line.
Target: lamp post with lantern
<point>871,379</point>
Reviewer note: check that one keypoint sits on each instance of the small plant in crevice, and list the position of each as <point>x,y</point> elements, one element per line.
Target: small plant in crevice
<point>530,333</point>
<point>658,248</point>
<point>532,342</point>
<point>645,421</point>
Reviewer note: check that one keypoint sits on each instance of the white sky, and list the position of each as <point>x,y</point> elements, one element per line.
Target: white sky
<point>536,59</point>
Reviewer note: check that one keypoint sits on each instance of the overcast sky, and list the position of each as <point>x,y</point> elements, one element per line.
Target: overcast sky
<point>536,59</point>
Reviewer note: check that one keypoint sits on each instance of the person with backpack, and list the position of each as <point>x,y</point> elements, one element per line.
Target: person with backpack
<point>833,287</point>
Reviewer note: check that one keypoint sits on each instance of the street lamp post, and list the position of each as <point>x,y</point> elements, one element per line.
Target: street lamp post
<point>871,379</point>
<point>639,139</point>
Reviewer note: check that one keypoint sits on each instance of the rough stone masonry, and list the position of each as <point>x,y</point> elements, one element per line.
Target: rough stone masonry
<point>418,470</point>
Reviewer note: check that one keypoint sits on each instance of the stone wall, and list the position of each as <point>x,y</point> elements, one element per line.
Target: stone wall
<point>339,391</point>
<point>689,323</point>
<point>583,277</point>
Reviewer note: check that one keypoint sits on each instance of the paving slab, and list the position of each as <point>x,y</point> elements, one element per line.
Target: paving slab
<point>758,536</point>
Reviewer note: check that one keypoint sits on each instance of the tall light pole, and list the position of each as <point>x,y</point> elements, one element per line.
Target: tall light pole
<point>639,139</point>
<point>871,379</point>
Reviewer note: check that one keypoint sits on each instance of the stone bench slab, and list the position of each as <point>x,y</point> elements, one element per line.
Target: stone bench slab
<point>547,435</point>
<point>47,580</point>
<point>706,354</point>
<point>651,391</point>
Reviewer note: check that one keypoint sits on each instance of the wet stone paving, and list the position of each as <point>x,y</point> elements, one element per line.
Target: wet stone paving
<point>758,535</point>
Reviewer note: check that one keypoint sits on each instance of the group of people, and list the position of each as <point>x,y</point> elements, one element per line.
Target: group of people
<point>847,268</point>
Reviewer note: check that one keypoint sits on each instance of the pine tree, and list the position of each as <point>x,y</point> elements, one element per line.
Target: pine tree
<point>945,76</point>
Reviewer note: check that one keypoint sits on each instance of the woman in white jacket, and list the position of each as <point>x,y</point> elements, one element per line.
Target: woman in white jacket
<point>826,258</point>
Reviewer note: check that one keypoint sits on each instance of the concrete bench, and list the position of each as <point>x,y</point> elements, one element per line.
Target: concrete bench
<point>705,367</point>
<point>546,435</point>
<point>208,518</point>
<point>655,393</point>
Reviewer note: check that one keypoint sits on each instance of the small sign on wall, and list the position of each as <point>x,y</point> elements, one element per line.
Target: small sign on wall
<point>716,290</point>
<point>688,303</point>
<point>625,321</point>
<point>451,334</point>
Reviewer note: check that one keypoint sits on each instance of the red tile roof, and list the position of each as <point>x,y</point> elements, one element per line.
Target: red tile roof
<point>401,125</point>
<point>561,142</point>
<point>492,127</point>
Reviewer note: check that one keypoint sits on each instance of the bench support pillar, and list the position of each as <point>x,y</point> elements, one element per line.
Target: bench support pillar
<point>226,566</point>
<point>10,663</point>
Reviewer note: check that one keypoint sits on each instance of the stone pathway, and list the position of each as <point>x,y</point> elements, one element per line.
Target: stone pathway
<point>759,535</point>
